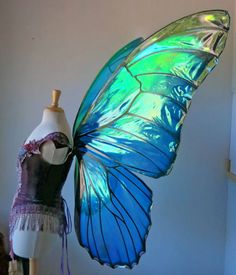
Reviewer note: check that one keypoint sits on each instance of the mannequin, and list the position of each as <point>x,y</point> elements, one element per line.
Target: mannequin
<point>29,243</point>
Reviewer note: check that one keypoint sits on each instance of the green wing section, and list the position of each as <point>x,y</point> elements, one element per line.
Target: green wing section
<point>106,72</point>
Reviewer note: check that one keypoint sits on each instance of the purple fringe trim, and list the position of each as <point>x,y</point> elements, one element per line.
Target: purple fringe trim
<point>37,217</point>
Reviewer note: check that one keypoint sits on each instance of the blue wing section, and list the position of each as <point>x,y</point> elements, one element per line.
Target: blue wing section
<point>114,212</point>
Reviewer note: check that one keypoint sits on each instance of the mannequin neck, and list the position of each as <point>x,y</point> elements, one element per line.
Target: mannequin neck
<point>52,117</point>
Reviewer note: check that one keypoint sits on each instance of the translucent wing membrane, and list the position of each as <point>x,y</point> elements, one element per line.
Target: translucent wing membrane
<point>104,75</point>
<point>133,123</point>
<point>114,212</point>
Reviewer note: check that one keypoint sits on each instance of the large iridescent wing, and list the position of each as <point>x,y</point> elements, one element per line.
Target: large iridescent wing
<point>137,116</point>
<point>134,124</point>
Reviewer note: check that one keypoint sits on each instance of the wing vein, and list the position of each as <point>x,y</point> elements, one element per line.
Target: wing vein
<point>100,219</point>
<point>131,195</point>
<point>122,146</point>
<point>172,75</point>
<point>146,141</point>
<point>172,50</point>
<point>168,97</point>
<point>158,123</point>
<point>116,161</point>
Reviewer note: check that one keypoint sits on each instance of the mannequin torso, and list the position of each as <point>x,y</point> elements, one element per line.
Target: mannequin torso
<point>29,243</point>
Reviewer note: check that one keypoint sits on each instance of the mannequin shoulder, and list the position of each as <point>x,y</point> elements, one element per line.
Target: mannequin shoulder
<point>42,131</point>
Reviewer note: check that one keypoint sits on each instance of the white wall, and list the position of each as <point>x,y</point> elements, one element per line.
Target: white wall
<point>230,252</point>
<point>62,44</point>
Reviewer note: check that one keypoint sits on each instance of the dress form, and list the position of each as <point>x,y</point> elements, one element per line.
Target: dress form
<point>29,243</point>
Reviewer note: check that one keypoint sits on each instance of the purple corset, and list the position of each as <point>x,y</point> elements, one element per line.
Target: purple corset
<point>38,204</point>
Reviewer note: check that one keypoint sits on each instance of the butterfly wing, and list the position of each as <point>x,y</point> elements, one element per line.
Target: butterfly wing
<point>134,125</point>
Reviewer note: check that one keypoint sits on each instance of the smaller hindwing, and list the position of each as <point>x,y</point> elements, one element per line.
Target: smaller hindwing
<point>114,209</point>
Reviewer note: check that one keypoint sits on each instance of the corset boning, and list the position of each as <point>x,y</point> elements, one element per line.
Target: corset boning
<point>42,182</point>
